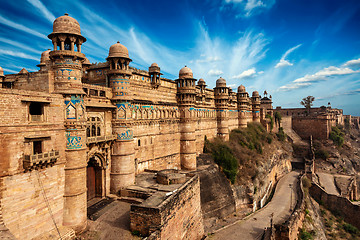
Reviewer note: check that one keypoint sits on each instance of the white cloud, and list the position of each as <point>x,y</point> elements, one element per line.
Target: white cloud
<point>245,74</point>
<point>18,54</point>
<point>248,7</point>
<point>283,62</point>
<point>208,59</point>
<point>214,72</point>
<point>352,63</point>
<point>21,27</point>
<point>41,7</point>
<point>322,75</point>
<point>20,45</point>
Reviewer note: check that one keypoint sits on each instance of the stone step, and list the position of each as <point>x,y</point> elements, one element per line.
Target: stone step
<point>131,200</point>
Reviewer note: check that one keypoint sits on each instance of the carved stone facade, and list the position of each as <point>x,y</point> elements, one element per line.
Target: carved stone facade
<point>74,131</point>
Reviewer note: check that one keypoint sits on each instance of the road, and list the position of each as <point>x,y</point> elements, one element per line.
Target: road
<point>327,181</point>
<point>252,226</point>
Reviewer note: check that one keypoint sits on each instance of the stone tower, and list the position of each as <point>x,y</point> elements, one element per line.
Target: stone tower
<point>154,71</point>
<point>243,106</point>
<point>255,100</point>
<point>221,93</point>
<point>67,67</point>
<point>44,61</point>
<point>202,85</point>
<point>186,94</point>
<point>122,159</point>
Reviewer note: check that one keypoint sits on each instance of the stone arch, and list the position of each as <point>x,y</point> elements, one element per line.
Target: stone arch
<point>95,174</point>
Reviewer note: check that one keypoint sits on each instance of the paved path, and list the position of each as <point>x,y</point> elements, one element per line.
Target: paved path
<point>252,226</point>
<point>328,183</point>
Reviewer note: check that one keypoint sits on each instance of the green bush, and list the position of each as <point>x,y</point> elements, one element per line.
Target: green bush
<point>225,159</point>
<point>304,235</point>
<point>350,228</point>
<point>271,121</point>
<point>337,135</point>
<point>321,153</point>
<point>281,134</point>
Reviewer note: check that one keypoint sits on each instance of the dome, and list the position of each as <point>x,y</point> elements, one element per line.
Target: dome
<point>221,82</point>
<point>1,72</point>
<point>66,24</point>
<point>255,94</point>
<point>241,89</point>
<point>201,81</point>
<point>154,65</point>
<point>23,71</point>
<point>45,56</point>
<point>185,72</point>
<point>118,50</point>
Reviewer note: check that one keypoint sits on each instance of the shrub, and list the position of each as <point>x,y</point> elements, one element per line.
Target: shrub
<point>304,235</point>
<point>321,153</point>
<point>225,159</point>
<point>350,228</point>
<point>337,135</point>
<point>281,134</point>
<point>271,121</point>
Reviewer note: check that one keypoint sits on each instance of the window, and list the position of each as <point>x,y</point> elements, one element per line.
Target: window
<point>37,147</point>
<point>36,111</point>
<point>139,143</point>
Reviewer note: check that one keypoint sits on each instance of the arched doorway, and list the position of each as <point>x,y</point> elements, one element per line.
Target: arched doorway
<point>95,173</point>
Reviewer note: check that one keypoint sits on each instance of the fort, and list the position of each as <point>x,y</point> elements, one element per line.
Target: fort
<point>79,131</point>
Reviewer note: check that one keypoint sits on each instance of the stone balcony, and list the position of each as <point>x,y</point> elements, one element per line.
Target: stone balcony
<point>40,160</point>
<point>97,139</point>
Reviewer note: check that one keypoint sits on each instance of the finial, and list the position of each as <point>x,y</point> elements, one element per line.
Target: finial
<point>66,14</point>
<point>118,42</point>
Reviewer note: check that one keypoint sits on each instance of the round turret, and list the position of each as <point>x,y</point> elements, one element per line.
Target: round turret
<point>185,72</point>
<point>66,24</point>
<point>45,56</point>
<point>255,94</point>
<point>221,82</point>
<point>2,72</point>
<point>241,89</point>
<point>201,82</point>
<point>118,50</point>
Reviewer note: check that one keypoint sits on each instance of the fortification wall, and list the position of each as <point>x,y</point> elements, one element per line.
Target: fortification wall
<point>317,127</point>
<point>157,145</point>
<point>178,217</point>
<point>340,205</point>
<point>25,212</point>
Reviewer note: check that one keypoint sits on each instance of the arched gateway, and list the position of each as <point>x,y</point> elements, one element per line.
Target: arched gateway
<point>95,174</point>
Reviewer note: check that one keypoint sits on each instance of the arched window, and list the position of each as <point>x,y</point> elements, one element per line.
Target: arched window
<point>88,131</point>
<point>67,44</point>
<point>98,131</point>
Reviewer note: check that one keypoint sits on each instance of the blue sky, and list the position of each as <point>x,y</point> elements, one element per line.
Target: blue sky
<point>291,48</point>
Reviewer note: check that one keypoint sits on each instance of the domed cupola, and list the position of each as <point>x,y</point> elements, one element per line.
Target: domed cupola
<point>66,34</point>
<point>154,72</point>
<point>185,72</point>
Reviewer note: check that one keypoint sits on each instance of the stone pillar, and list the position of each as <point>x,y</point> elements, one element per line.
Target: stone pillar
<point>122,159</point>
<point>75,198</point>
<point>221,104</point>
<point>187,138</point>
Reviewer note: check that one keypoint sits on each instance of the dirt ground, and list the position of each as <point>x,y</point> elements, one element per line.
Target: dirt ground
<point>113,224</point>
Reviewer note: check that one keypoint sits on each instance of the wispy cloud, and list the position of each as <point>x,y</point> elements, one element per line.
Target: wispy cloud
<point>215,72</point>
<point>322,75</point>
<point>250,7</point>
<point>41,7</point>
<point>246,74</point>
<point>283,62</point>
<point>19,45</point>
<point>353,63</point>
<point>347,93</point>
<point>21,27</point>
<point>18,54</point>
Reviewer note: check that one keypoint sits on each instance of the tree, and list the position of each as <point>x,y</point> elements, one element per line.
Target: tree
<point>307,103</point>
<point>277,116</point>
